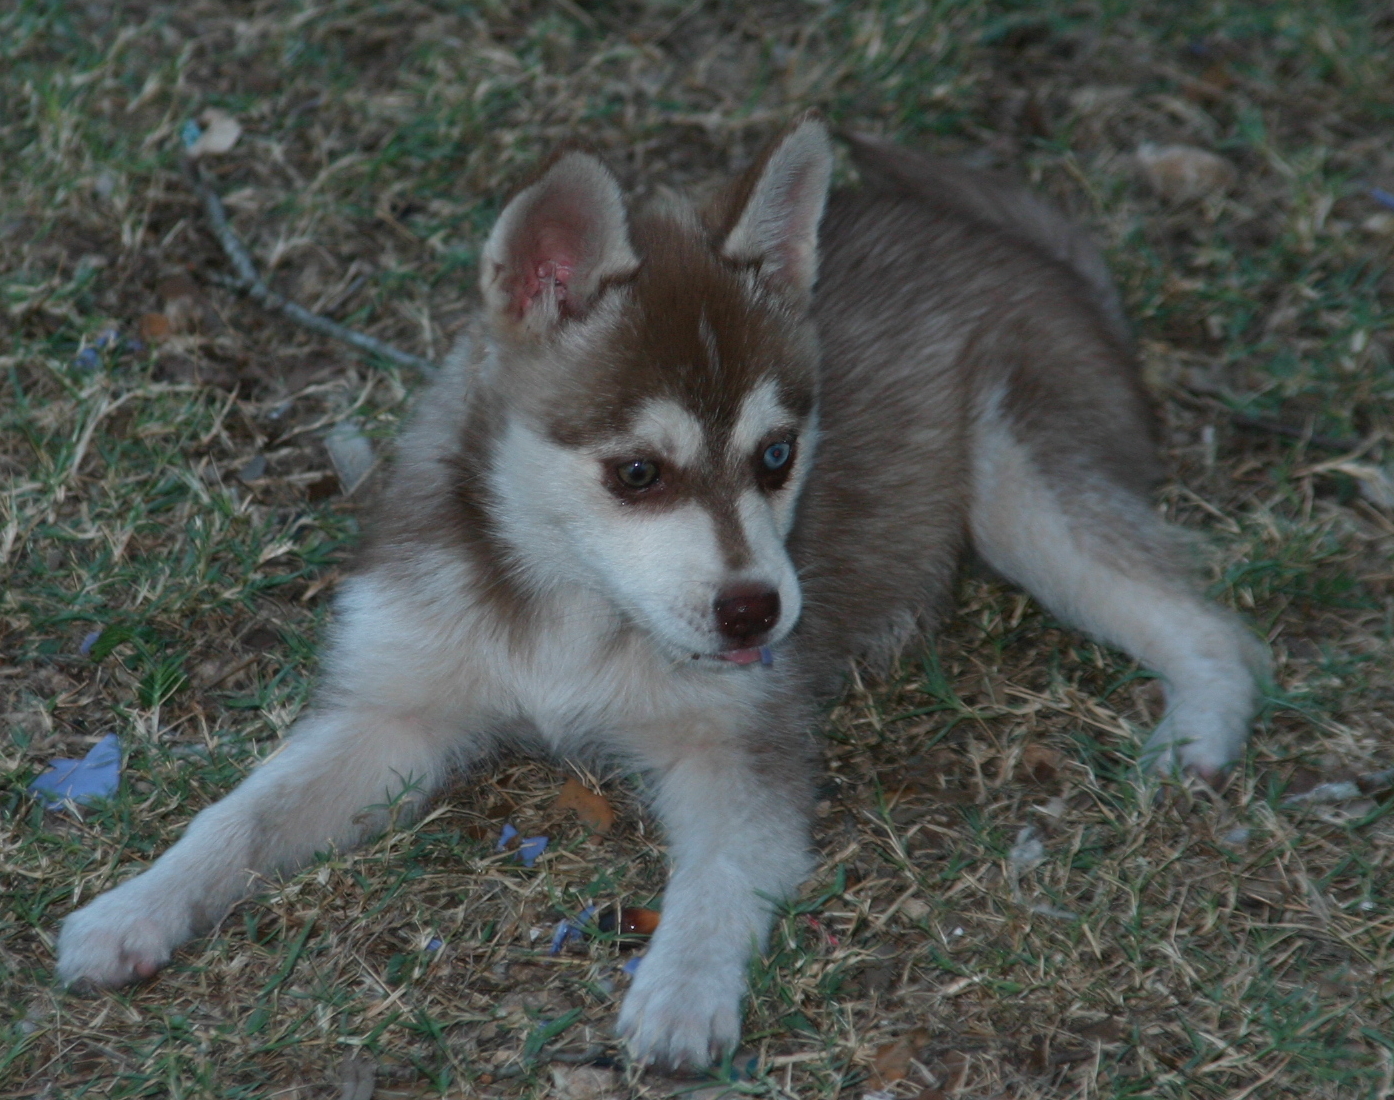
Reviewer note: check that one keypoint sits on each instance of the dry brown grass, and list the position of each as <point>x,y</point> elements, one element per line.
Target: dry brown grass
<point>1231,946</point>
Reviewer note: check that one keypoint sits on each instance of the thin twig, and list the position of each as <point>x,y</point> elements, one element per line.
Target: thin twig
<point>1202,400</point>
<point>250,283</point>
<point>1291,431</point>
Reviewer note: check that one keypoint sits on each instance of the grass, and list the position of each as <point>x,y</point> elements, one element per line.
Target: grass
<point>1219,947</point>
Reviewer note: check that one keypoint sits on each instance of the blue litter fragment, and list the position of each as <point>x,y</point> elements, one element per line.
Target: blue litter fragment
<point>529,847</point>
<point>96,775</point>
<point>1383,197</point>
<point>766,656</point>
<point>571,929</point>
<point>436,944</point>
<point>190,133</point>
<point>88,642</point>
<point>90,357</point>
<point>631,967</point>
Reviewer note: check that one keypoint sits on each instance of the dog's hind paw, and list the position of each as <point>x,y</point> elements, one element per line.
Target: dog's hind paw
<point>682,1017</point>
<point>116,940</point>
<point>1201,750</point>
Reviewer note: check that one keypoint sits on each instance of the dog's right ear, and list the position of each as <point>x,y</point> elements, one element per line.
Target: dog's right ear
<point>554,248</point>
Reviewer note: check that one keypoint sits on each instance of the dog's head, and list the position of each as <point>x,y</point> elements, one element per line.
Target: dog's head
<point>656,378</point>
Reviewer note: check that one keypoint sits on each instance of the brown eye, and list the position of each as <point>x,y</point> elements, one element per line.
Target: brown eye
<point>638,474</point>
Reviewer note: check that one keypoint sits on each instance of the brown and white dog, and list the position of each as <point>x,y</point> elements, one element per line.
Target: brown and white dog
<point>693,465</point>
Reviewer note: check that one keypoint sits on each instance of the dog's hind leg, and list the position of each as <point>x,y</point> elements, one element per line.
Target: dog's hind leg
<point>1098,556</point>
<point>342,776</point>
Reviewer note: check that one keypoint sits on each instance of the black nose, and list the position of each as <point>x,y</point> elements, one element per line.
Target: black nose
<point>743,614</point>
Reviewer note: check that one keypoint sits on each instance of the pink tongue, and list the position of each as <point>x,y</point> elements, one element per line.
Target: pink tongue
<point>742,656</point>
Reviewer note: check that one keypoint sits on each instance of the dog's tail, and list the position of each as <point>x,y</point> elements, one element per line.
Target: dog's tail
<point>999,202</point>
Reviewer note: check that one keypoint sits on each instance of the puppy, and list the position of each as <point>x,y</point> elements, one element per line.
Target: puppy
<point>693,465</point>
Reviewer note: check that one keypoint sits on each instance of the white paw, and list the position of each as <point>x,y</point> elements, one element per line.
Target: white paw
<point>682,1012</point>
<point>1201,749</point>
<point>123,936</point>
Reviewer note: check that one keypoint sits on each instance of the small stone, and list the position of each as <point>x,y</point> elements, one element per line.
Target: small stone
<point>1179,173</point>
<point>351,453</point>
<point>218,134</point>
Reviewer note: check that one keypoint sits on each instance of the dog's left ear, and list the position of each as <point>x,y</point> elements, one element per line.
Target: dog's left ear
<point>776,208</point>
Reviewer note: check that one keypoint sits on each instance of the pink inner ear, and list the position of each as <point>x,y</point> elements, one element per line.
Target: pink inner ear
<point>547,262</point>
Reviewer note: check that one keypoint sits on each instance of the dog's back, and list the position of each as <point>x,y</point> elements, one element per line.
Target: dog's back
<point>950,300</point>
<point>991,199</point>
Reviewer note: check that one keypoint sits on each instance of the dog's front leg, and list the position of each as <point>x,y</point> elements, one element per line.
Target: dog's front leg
<point>336,781</point>
<point>736,818</point>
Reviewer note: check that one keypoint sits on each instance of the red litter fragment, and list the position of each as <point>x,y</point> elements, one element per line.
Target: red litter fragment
<point>633,921</point>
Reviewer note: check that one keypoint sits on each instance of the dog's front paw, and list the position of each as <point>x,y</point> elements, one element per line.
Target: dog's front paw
<point>681,1013</point>
<point>121,937</point>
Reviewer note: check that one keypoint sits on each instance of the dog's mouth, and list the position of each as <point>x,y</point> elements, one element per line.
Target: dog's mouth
<point>748,656</point>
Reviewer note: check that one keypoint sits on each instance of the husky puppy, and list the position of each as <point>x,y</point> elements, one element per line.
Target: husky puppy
<point>695,464</point>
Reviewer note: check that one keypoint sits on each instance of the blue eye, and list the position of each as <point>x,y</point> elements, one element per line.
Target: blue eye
<point>777,454</point>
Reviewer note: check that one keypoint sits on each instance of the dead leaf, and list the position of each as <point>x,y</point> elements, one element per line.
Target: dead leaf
<point>891,1062</point>
<point>154,327</point>
<point>1041,764</point>
<point>1179,173</point>
<point>220,133</point>
<point>585,1083</point>
<point>593,809</point>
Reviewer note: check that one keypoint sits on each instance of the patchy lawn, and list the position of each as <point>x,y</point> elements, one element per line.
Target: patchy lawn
<point>165,479</point>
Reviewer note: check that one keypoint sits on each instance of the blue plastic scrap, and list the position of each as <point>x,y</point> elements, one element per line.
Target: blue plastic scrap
<point>529,847</point>
<point>571,929</point>
<point>96,775</point>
